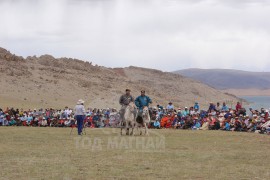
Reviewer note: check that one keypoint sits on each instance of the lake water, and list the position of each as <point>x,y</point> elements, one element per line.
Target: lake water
<point>257,102</point>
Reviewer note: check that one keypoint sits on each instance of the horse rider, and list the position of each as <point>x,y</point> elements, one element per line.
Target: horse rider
<point>124,101</point>
<point>142,101</point>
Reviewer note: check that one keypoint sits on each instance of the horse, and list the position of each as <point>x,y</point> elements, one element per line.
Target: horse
<point>145,120</point>
<point>129,119</point>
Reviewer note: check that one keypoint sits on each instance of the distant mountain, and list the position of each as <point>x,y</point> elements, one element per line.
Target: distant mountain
<point>229,79</point>
<point>45,81</point>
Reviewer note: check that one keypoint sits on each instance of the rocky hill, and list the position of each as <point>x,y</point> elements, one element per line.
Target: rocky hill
<point>45,81</point>
<point>233,81</point>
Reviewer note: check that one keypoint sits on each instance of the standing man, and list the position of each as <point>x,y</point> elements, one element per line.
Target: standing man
<point>142,101</point>
<point>124,100</point>
<point>197,106</point>
<point>238,106</point>
<point>79,114</point>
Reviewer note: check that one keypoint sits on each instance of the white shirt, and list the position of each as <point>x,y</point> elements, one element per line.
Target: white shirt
<point>170,107</point>
<point>79,110</point>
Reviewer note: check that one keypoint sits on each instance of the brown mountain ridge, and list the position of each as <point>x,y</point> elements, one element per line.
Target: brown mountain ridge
<point>45,81</point>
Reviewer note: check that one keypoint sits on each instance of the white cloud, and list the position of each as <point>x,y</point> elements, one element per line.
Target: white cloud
<point>162,34</point>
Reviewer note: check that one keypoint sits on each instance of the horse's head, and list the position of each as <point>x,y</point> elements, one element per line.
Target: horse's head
<point>131,106</point>
<point>145,111</point>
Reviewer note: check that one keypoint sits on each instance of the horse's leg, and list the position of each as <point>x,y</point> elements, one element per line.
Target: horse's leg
<point>146,125</point>
<point>127,130</point>
<point>137,127</point>
<point>121,128</point>
<point>146,129</point>
<point>132,127</point>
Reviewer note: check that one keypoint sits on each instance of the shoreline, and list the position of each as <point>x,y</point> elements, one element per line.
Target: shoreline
<point>248,92</point>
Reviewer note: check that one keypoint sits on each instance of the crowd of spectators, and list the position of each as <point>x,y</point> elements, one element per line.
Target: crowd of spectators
<point>216,117</point>
<point>57,117</point>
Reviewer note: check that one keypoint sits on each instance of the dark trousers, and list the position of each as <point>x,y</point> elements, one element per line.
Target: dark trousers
<point>80,119</point>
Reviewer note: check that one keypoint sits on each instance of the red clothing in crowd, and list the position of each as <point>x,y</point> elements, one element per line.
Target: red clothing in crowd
<point>238,106</point>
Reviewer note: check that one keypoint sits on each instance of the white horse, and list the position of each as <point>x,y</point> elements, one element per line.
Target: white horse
<point>145,120</point>
<point>129,119</point>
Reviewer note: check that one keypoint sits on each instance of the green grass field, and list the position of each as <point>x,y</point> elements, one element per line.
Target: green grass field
<point>52,153</point>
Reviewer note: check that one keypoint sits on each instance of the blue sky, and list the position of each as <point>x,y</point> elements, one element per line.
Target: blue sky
<point>160,34</point>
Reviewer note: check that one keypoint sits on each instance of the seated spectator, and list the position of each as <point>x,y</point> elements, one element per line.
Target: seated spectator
<point>185,113</point>
<point>29,119</point>
<point>252,125</point>
<point>170,121</point>
<point>5,121</point>
<point>266,126</point>
<point>160,114</point>
<point>205,125</point>
<point>224,107</point>
<point>176,122</point>
<point>170,107</point>
<point>179,113</point>
<point>211,107</point>
<point>96,118</point>
<point>197,124</point>
<point>221,120</point>
<point>188,123</point>
<point>213,123</point>
<point>218,107</point>
<point>213,113</point>
<point>12,121</point>
<point>191,111</point>
<point>227,126</point>
<point>237,125</point>
<point>160,107</point>
<point>196,112</point>
<point>1,119</point>
<point>23,119</point>
<point>43,122</point>
<point>157,124</point>
<point>106,123</point>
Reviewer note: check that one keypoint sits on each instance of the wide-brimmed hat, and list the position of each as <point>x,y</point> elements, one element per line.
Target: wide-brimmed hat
<point>80,101</point>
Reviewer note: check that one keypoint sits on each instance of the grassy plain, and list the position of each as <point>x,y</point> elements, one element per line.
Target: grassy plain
<point>52,153</point>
